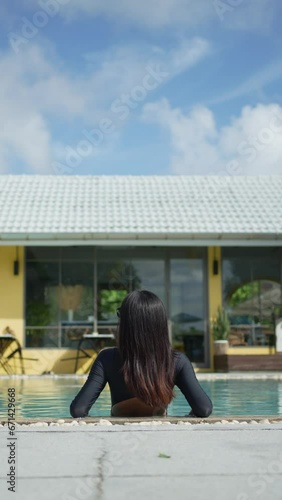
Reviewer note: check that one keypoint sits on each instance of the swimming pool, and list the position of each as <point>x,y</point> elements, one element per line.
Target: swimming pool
<point>39,397</point>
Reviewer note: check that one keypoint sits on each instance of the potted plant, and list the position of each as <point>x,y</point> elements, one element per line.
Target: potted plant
<point>220,332</point>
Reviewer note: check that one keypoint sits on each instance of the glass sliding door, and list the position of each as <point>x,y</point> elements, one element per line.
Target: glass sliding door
<point>76,299</point>
<point>115,279</point>
<point>59,295</point>
<point>42,311</point>
<point>113,284</point>
<point>188,305</point>
<point>74,289</point>
<point>121,271</point>
<point>151,273</point>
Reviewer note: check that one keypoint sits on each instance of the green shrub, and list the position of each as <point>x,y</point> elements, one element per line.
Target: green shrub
<point>220,325</point>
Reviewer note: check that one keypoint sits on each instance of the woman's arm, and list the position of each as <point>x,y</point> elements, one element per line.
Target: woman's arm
<point>188,384</point>
<point>91,390</point>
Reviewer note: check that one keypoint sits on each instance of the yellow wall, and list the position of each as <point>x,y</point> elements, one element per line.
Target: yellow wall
<point>45,361</point>
<point>214,290</point>
<point>242,351</point>
<point>11,291</point>
<point>60,361</point>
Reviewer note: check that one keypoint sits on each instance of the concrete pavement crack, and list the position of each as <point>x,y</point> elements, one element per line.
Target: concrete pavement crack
<point>100,484</point>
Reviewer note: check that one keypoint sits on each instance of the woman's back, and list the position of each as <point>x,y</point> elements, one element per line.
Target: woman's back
<point>107,369</point>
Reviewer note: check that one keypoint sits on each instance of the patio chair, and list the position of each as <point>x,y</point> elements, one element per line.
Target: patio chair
<point>10,352</point>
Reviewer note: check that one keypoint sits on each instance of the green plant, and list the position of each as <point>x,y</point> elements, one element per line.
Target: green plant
<point>220,325</point>
<point>37,313</point>
<point>163,455</point>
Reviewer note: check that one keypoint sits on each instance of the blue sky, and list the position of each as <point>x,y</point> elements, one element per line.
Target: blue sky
<point>157,87</point>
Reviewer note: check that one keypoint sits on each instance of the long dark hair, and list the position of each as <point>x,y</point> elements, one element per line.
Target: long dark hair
<point>143,342</point>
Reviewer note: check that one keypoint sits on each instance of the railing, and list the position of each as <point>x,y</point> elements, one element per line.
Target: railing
<point>54,337</point>
<point>251,335</point>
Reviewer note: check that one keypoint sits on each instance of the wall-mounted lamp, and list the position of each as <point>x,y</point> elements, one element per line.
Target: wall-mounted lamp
<point>215,264</point>
<point>16,263</point>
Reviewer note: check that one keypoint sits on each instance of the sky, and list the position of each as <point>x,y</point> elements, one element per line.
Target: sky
<point>158,87</point>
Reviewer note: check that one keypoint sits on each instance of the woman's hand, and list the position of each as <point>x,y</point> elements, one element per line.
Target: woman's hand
<point>191,414</point>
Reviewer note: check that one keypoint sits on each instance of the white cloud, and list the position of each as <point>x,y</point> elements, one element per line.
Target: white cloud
<point>119,70</point>
<point>184,14</point>
<point>36,93</point>
<point>186,54</point>
<point>28,95</point>
<point>148,13</point>
<point>250,145</point>
<point>267,75</point>
<point>250,15</point>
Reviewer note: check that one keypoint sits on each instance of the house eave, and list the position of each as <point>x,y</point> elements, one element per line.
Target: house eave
<point>141,239</point>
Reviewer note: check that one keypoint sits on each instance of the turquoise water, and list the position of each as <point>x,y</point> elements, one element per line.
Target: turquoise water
<point>50,397</point>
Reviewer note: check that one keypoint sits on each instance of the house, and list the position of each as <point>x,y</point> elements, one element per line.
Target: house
<point>72,247</point>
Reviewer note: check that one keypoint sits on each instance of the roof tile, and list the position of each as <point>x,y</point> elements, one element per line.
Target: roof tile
<point>140,205</point>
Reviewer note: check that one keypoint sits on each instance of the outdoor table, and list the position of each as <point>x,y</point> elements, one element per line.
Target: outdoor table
<point>73,330</point>
<point>95,340</point>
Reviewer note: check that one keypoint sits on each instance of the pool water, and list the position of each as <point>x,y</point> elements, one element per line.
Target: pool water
<point>39,397</point>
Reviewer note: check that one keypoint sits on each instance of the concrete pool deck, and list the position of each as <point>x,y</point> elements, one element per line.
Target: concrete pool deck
<point>104,459</point>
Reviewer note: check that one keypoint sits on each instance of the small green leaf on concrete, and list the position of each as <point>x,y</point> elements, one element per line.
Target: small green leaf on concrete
<point>163,455</point>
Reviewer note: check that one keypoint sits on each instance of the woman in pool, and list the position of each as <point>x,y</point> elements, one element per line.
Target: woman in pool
<point>143,369</point>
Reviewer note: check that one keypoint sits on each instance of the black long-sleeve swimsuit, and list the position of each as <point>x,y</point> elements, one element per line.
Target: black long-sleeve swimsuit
<point>106,368</point>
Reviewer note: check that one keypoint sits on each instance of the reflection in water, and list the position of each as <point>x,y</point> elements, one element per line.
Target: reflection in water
<point>51,396</point>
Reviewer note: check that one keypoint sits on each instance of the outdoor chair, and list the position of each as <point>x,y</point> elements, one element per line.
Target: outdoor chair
<point>11,352</point>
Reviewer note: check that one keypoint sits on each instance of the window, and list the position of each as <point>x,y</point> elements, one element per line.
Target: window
<point>121,271</point>
<point>188,304</point>
<point>76,289</point>
<point>59,295</point>
<point>252,293</point>
<point>42,311</point>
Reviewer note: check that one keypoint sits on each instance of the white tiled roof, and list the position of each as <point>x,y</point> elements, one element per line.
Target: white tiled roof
<point>89,207</point>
